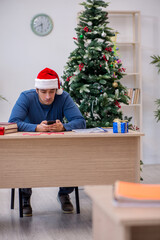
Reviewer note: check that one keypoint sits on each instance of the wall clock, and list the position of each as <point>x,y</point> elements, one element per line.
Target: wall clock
<point>41,24</point>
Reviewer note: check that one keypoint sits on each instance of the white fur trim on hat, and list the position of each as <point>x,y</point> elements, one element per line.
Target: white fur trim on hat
<point>59,91</point>
<point>46,83</point>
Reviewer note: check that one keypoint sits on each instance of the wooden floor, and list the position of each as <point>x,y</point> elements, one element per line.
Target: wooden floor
<point>47,221</point>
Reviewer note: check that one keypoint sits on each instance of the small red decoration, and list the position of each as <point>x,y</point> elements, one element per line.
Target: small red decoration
<point>104,57</point>
<point>134,128</point>
<point>121,69</point>
<point>68,79</point>
<point>81,66</point>
<point>86,29</point>
<point>109,49</point>
<point>117,104</point>
<point>74,38</point>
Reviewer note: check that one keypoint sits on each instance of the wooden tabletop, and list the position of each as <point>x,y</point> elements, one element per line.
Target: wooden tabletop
<point>70,134</point>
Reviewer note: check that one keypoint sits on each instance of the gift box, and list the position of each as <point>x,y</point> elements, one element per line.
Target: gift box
<point>1,130</point>
<point>120,126</point>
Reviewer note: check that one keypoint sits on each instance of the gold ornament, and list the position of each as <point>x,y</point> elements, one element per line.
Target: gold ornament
<point>115,84</point>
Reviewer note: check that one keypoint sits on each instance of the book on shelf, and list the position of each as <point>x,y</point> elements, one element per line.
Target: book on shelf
<point>137,96</point>
<point>133,94</point>
<point>6,127</point>
<point>127,194</point>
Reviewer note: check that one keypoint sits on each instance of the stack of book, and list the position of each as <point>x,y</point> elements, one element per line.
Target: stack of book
<point>127,194</point>
<point>6,127</point>
<point>133,93</point>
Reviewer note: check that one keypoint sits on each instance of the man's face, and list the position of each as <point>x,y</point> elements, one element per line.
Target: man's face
<point>46,96</point>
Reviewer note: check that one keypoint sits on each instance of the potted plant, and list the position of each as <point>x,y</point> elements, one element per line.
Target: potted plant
<point>156,61</point>
<point>2,98</point>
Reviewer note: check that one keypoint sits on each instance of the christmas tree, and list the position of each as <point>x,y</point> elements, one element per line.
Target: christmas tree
<point>94,69</point>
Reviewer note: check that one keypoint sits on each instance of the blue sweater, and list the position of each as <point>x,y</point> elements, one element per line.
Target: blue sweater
<point>28,112</point>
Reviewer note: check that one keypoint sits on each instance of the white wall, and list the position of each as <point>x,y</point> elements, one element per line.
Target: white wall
<point>23,54</point>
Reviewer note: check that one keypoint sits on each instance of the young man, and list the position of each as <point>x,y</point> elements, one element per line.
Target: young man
<point>32,111</point>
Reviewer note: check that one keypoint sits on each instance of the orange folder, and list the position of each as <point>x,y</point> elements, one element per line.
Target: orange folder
<point>127,191</point>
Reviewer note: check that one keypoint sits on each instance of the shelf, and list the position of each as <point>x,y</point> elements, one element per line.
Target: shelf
<point>132,74</point>
<point>123,12</point>
<point>130,105</point>
<point>127,43</point>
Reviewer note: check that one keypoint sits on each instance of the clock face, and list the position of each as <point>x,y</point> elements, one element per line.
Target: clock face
<point>42,24</point>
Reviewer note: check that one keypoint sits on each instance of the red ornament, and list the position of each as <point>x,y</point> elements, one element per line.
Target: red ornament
<point>117,104</point>
<point>109,49</point>
<point>74,38</point>
<point>121,69</point>
<point>86,29</point>
<point>104,57</point>
<point>81,66</point>
<point>68,79</point>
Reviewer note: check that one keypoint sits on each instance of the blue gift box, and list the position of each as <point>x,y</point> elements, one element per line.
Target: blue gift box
<point>120,127</point>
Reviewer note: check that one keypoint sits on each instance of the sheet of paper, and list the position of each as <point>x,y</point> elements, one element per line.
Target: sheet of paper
<point>90,130</point>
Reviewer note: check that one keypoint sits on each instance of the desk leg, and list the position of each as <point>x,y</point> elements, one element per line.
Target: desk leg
<point>105,228</point>
<point>20,204</point>
<point>77,200</point>
<point>12,198</point>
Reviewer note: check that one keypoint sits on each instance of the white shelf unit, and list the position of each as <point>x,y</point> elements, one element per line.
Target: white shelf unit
<point>128,26</point>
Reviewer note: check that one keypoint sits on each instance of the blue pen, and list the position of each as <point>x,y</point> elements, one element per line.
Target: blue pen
<point>103,129</point>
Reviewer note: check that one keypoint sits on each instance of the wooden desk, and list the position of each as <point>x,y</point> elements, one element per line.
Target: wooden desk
<point>69,159</point>
<point>119,223</point>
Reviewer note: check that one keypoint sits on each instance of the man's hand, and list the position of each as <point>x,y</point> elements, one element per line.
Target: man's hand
<point>55,127</point>
<point>43,127</point>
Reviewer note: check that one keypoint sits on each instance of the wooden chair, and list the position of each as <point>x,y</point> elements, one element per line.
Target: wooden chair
<point>20,200</point>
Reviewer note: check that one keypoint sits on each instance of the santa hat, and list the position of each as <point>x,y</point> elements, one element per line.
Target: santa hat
<point>48,79</point>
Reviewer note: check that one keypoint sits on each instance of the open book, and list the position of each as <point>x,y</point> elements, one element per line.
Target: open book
<point>90,130</point>
<point>136,194</point>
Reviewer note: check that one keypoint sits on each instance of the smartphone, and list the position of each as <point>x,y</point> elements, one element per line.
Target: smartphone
<point>51,122</point>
